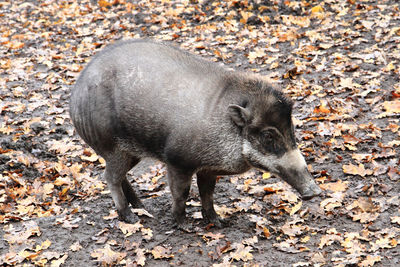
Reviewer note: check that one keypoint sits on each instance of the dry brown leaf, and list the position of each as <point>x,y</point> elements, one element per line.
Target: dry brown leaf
<point>290,246</point>
<point>160,252</point>
<point>333,202</point>
<point>395,219</point>
<point>296,208</point>
<point>129,229</point>
<point>59,262</point>
<point>370,260</point>
<point>16,236</point>
<point>241,253</point>
<point>107,256</point>
<point>318,258</point>
<point>140,256</point>
<point>75,246</point>
<point>338,186</point>
<point>365,217</point>
<point>147,233</point>
<point>292,229</point>
<point>357,170</point>
<point>141,212</point>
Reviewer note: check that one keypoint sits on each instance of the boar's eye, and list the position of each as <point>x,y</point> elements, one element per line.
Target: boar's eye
<point>272,142</point>
<point>267,136</point>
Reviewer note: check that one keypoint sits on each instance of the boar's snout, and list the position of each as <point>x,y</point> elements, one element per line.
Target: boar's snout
<point>294,171</point>
<point>310,190</point>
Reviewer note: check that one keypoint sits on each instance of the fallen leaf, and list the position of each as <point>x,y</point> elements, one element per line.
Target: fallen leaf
<point>370,260</point>
<point>357,170</point>
<point>141,212</point>
<point>160,252</point>
<point>16,236</point>
<point>290,246</point>
<point>296,208</point>
<point>395,219</point>
<point>107,256</point>
<point>129,229</point>
<point>59,262</point>
<point>241,253</point>
<point>331,237</point>
<point>316,9</point>
<point>75,246</point>
<point>140,256</point>
<point>338,186</point>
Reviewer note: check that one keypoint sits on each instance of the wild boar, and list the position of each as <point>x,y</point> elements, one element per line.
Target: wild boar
<point>141,98</point>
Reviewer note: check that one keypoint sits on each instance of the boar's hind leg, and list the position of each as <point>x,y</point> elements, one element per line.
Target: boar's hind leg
<point>120,188</point>
<point>206,183</point>
<point>179,183</point>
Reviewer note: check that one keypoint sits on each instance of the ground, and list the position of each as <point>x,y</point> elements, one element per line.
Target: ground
<point>338,60</point>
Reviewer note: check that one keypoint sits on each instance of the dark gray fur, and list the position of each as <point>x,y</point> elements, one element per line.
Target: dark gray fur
<point>141,99</point>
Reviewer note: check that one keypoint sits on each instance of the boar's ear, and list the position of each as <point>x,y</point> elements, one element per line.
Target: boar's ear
<point>239,115</point>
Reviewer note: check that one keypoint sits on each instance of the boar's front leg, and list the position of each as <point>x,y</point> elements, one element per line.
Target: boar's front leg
<point>179,182</point>
<point>206,183</point>
<point>121,190</point>
<point>130,194</point>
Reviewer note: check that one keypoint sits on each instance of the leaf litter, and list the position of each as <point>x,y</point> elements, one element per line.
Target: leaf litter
<point>338,59</point>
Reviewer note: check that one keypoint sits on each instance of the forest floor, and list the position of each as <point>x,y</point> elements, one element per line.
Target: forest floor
<point>338,60</point>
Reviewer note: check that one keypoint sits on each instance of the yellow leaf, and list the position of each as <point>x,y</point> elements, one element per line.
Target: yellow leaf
<point>257,53</point>
<point>266,175</point>
<point>274,65</point>
<point>305,239</point>
<point>45,244</point>
<point>348,83</point>
<point>245,16</point>
<point>317,9</point>
<point>390,67</point>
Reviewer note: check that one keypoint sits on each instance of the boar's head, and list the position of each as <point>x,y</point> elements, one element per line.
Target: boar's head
<point>264,118</point>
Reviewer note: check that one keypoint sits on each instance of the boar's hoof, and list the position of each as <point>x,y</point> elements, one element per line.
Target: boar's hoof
<point>212,218</point>
<point>218,223</point>
<point>127,216</point>
<point>185,227</point>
